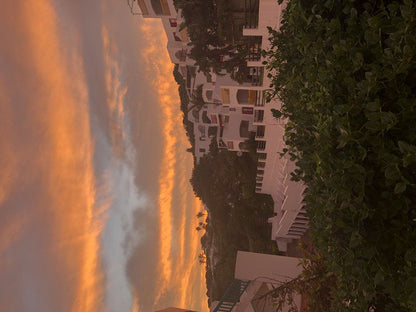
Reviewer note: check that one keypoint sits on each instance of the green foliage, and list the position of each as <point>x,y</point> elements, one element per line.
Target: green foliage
<point>346,73</point>
<point>215,31</point>
<point>188,125</point>
<point>314,284</point>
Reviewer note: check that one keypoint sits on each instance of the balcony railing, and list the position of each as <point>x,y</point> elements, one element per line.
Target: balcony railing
<point>260,95</point>
<point>261,145</point>
<point>260,131</point>
<point>262,156</point>
<point>251,13</point>
<point>256,78</point>
<point>258,115</point>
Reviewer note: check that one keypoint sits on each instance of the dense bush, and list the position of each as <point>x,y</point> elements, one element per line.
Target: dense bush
<point>215,31</point>
<point>346,74</point>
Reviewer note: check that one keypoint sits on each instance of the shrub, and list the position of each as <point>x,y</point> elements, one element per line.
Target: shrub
<point>346,74</point>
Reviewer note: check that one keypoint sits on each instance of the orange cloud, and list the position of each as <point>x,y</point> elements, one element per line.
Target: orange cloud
<point>135,305</point>
<point>58,157</point>
<point>176,269</point>
<point>161,70</point>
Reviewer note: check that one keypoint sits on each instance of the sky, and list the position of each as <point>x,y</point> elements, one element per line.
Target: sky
<point>96,209</point>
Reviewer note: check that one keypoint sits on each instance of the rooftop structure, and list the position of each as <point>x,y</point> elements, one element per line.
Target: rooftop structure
<point>256,275</point>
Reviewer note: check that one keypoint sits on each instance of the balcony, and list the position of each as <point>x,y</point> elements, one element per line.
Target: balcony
<point>258,115</point>
<point>255,77</point>
<point>260,95</point>
<point>254,48</point>
<point>261,145</point>
<point>262,156</point>
<point>251,14</point>
<point>260,132</point>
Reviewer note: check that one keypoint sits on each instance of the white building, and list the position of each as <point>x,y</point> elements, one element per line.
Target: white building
<point>273,171</point>
<point>233,110</point>
<point>257,275</point>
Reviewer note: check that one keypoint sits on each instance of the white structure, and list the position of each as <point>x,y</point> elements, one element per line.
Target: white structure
<point>273,172</point>
<point>256,276</point>
<point>265,272</point>
<point>233,110</point>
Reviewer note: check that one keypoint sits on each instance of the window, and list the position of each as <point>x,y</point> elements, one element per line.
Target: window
<point>160,7</point>
<point>242,96</point>
<point>245,96</point>
<point>177,38</point>
<point>205,118</point>
<point>247,110</point>
<point>262,155</point>
<point>209,94</point>
<point>252,96</point>
<point>260,131</point>
<point>212,131</point>
<point>143,7</point>
<point>173,22</point>
<point>244,132</point>
<point>202,150</point>
<point>261,145</point>
<point>258,115</point>
<point>225,96</point>
<point>214,119</point>
<point>230,145</point>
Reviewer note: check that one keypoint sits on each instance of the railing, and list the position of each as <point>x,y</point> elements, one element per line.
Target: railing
<point>260,94</point>
<point>260,131</point>
<point>258,115</point>
<point>261,145</point>
<point>232,296</point>
<point>254,55</point>
<point>251,12</point>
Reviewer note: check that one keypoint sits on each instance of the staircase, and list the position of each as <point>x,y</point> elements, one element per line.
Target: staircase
<point>231,296</point>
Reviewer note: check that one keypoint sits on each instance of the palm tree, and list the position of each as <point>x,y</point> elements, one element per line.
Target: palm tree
<point>197,100</point>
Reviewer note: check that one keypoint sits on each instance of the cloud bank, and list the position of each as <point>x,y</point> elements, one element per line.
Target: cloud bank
<point>96,211</point>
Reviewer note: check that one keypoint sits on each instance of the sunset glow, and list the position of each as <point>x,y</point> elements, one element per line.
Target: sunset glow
<point>73,189</point>
<point>172,167</point>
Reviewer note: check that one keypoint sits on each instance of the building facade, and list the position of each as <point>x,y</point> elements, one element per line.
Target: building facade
<point>233,112</point>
